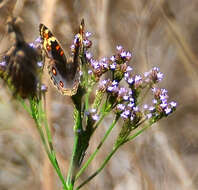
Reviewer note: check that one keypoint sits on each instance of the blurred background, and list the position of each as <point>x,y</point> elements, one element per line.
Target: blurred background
<point>162,33</point>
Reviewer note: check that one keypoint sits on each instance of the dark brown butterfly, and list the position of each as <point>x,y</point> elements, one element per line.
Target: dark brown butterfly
<point>19,67</point>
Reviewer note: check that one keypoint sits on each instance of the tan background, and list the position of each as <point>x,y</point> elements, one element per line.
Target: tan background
<point>161,33</point>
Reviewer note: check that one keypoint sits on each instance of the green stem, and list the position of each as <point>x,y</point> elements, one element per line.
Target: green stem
<point>97,149</point>
<point>74,158</point>
<point>139,132</point>
<point>38,121</point>
<point>112,153</point>
<point>99,169</point>
<point>71,166</point>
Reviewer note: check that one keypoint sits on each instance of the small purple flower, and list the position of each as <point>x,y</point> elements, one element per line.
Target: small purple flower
<point>87,34</point>
<point>95,64</point>
<point>114,83</point>
<point>93,110</point>
<point>81,73</point>
<point>125,97</point>
<point>132,118</point>
<point>128,55</point>
<point>95,117</point>
<point>138,78</point>
<point>173,104</point>
<point>122,91</point>
<point>110,88</point>
<point>145,106</point>
<point>119,48</point>
<point>130,80</point>
<point>38,40</point>
<point>163,105</point>
<point>151,108</point>
<point>32,45</point>
<point>154,101</point>
<point>90,71</point>
<point>130,104</point>
<point>129,69</point>
<point>121,107</point>
<point>86,42</point>
<point>123,54</point>
<point>125,114</point>
<point>160,76</point>
<point>135,109</point>
<point>146,74</point>
<point>43,88</point>
<point>112,58</point>
<point>40,64</point>
<point>149,115</point>
<point>168,110</point>
<point>163,97</point>
<point>126,75</point>
<point>88,55</point>
<point>113,66</point>
<point>3,64</point>
<point>131,99</point>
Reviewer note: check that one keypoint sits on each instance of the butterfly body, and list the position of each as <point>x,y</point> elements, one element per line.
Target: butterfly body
<point>64,73</point>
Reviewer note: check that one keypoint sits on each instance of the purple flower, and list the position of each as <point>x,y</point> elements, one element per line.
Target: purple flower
<point>87,34</point>
<point>40,64</point>
<point>138,78</point>
<point>3,64</point>
<point>32,45</point>
<point>125,114</point>
<point>173,104</point>
<point>95,117</point>
<point>43,88</point>
<point>135,109</point>
<point>112,58</point>
<point>93,110</point>
<point>113,66</point>
<point>130,104</point>
<point>88,55</point>
<point>119,48</point>
<point>151,108</point>
<point>90,71</point>
<point>168,110</point>
<point>149,115</point>
<point>130,80</point>
<point>154,101</point>
<point>160,76</point>
<point>123,54</point>
<point>129,69</point>
<point>121,107</point>
<point>163,105</point>
<point>114,83</point>
<point>95,64</point>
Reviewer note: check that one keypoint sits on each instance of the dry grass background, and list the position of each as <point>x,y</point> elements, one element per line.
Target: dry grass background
<point>161,33</point>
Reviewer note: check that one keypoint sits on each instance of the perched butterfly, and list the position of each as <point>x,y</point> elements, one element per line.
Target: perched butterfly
<point>64,73</point>
<point>19,65</point>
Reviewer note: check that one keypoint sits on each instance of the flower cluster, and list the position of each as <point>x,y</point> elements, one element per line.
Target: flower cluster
<point>126,101</point>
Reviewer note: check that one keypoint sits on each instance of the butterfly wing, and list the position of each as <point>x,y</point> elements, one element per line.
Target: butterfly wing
<point>63,74</point>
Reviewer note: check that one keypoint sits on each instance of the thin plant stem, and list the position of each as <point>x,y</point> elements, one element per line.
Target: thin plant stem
<point>70,176</point>
<point>97,149</point>
<point>115,148</point>
<point>38,122</point>
<point>71,166</point>
<point>99,169</point>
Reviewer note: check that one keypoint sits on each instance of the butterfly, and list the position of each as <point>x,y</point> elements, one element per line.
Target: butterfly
<point>19,65</point>
<point>65,74</point>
